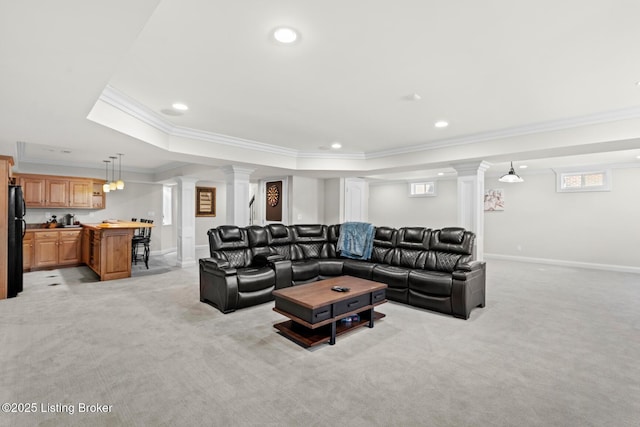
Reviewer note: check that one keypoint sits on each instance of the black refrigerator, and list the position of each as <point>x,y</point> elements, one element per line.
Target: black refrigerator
<point>17,228</point>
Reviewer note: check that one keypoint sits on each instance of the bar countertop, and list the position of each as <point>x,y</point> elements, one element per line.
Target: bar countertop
<point>118,224</point>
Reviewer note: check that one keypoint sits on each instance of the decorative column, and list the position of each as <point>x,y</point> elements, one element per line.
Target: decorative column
<point>186,220</point>
<point>237,179</point>
<point>471,200</point>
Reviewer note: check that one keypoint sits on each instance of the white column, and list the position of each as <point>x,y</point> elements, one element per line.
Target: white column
<point>471,200</point>
<point>238,191</point>
<point>186,221</point>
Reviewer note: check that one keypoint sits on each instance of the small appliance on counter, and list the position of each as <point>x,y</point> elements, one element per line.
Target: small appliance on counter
<point>70,221</point>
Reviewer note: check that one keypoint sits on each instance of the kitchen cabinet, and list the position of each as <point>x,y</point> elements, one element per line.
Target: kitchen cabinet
<point>98,196</point>
<point>80,193</point>
<point>49,191</point>
<point>33,190</point>
<point>27,251</point>
<point>56,248</point>
<point>56,193</point>
<point>45,249</point>
<point>69,247</point>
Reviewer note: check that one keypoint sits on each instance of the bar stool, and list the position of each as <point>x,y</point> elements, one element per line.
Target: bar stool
<point>141,238</point>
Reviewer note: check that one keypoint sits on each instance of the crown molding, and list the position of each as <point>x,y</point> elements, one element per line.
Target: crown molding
<point>550,126</point>
<point>132,107</point>
<point>332,155</point>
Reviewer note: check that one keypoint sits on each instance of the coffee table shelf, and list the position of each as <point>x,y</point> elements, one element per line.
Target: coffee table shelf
<point>312,337</point>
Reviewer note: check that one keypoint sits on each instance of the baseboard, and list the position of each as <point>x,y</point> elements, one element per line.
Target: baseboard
<point>162,252</point>
<point>565,263</point>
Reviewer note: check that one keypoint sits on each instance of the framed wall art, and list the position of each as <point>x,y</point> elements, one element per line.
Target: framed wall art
<point>205,201</point>
<point>494,200</point>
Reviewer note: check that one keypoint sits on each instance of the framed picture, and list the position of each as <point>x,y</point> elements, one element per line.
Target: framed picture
<point>205,201</point>
<point>494,200</point>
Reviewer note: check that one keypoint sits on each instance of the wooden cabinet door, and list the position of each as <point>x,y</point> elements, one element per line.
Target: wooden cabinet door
<point>80,193</point>
<point>33,190</point>
<point>69,249</point>
<point>57,193</point>
<point>45,249</point>
<point>27,251</point>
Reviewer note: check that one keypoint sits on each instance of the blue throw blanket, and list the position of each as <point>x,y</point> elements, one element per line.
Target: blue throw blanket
<point>356,240</point>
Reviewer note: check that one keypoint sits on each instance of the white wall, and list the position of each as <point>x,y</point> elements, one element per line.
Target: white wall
<point>597,229</point>
<point>307,196</point>
<point>587,227</point>
<point>390,205</point>
<point>333,200</point>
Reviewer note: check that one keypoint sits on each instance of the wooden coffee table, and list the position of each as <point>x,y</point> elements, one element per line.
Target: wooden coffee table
<point>316,311</point>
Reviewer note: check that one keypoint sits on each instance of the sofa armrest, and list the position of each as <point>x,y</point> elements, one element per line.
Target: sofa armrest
<point>282,269</point>
<point>275,257</point>
<point>468,288</point>
<point>264,260</point>
<point>217,266</point>
<point>218,286</point>
<point>465,267</point>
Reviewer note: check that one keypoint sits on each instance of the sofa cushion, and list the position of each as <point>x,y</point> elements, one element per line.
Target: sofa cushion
<point>360,269</point>
<point>330,267</point>
<point>453,240</point>
<point>278,231</point>
<point>254,279</point>
<point>309,241</point>
<point>384,240</point>
<point>279,238</point>
<point>304,270</point>
<point>230,233</point>
<point>394,277</point>
<point>444,261</point>
<point>430,282</point>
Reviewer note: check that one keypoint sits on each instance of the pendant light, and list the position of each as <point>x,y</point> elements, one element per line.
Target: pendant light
<point>105,187</point>
<point>120,183</point>
<point>511,176</point>
<point>112,185</point>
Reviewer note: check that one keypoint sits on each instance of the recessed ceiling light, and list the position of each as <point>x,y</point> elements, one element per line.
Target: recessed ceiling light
<point>637,157</point>
<point>285,35</point>
<point>336,145</point>
<point>416,97</point>
<point>523,166</point>
<point>179,106</point>
<point>440,173</point>
<point>441,124</point>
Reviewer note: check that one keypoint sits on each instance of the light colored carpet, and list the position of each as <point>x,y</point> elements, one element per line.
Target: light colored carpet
<point>554,346</point>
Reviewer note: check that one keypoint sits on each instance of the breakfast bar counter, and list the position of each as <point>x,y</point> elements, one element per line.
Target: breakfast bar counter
<point>106,247</point>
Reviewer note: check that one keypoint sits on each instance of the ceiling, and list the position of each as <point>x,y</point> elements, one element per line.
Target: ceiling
<point>550,84</point>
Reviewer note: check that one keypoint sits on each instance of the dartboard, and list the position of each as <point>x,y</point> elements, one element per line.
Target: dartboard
<point>273,195</point>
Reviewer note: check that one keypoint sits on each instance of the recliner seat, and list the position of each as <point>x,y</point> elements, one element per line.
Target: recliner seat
<point>228,279</point>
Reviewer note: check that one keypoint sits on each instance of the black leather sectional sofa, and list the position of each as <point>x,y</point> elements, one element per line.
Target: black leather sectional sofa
<point>432,269</point>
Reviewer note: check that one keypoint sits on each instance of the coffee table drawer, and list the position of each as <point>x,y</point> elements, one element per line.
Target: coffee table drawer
<point>306,314</point>
<point>351,304</point>
<point>378,296</point>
